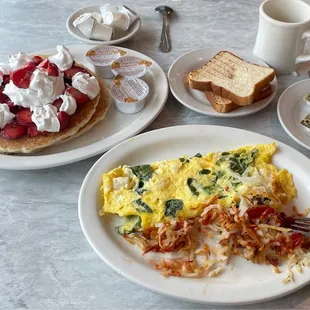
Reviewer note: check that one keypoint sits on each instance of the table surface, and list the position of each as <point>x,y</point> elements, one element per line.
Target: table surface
<point>45,260</point>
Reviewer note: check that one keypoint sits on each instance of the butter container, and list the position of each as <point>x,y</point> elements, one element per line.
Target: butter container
<point>130,67</point>
<point>129,95</point>
<point>85,24</point>
<point>101,57</point>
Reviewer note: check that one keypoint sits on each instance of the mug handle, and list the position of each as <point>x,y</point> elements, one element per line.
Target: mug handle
<point>304,57</point>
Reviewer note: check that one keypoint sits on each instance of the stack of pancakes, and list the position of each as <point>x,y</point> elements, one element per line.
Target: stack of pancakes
<point>81,121</point>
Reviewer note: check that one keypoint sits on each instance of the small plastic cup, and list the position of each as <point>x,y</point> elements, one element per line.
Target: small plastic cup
<point>101,57</point>
<point>101,32</point>
<point>119,20</point>
<point>129,95</point>
<point>85,24</point>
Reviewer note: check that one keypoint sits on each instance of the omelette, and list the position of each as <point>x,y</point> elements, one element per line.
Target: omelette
<point>180,188</point>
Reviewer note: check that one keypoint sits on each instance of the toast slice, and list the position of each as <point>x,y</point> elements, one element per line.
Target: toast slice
<point>232,78</point>
<point>223,105</point>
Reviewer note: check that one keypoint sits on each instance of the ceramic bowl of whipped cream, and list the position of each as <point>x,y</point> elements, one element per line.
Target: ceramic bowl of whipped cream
<point>129,95</point>
<point>104,24</point>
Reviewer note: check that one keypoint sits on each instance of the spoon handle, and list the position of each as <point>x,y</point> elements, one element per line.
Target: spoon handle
<point>164,45</point>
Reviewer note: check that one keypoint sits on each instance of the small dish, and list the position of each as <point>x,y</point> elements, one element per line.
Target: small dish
<point>196,100</point>
<point>292,109</point>
<point>118,37</point>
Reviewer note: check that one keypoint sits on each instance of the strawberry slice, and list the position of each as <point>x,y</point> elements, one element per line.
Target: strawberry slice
<point>21,77</point>
<point>64,119</point>
<point>13,131</point>
<point>44,63</point>
<point>23,117</point>
<point>79,97</point>
<point>33,131</point>
<point>52,70</point>
<point>3,97</point>
<point>57,103</point>
<point>68,74</point>
<point>37,59</point>
<point>13,108</point>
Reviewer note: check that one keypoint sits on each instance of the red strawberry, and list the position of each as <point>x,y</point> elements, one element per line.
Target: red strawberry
<point>79,97</point>
<point>3,97</point>
<point>44,63</point>
<point>21,77</point>
<point>64,118</point>
<point>68,74</point>
<point>13,131</point>
<point>6,79</point>
<point>37,59</point>
<point>33,131</point>
<point>23,117</point>
<point>13,108</point>
<point>52,70</point>
<point>57,103</point>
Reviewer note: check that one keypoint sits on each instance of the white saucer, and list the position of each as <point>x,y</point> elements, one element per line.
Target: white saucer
<point>119,36</point>
<point>196,100</point>
<point>292,109</point>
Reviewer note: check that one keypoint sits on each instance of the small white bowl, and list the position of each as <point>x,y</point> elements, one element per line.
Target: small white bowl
<point>118,37</point>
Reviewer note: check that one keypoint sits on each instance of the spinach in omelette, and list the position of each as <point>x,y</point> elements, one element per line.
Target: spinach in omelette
<point>147,194</point>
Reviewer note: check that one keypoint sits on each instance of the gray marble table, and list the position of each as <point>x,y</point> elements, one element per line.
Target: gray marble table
<point>45,261</point>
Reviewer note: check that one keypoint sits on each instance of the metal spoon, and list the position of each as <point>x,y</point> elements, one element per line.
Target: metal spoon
<point>164,11</point>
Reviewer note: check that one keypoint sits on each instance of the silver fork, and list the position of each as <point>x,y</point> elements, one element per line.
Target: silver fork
<point>301,225</point>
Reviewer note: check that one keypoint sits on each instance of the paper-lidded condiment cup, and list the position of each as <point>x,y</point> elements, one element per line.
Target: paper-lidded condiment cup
<point>307,99</point>
<point>130,67</point>
<point>119,20</point>
<point>85,24</point>
<point>101,57</point>
<point>101,32</point>
<point>129,95</point>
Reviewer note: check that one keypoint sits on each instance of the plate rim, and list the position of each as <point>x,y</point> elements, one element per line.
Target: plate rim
<point>34,162</point>
<point>287,290</point>
<point>280,115</point>
<point>69,25</point>
<point>214,113</point>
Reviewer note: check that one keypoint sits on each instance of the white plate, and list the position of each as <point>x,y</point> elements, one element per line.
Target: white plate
<point>115,128</point>
<point>196,100</point>
<point>119,37</point>
<point>292,109</point>
<point>243,282</point>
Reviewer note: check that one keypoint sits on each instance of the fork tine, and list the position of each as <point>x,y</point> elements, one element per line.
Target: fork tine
<point>306,224</point>
<point>306,219</point>
<point>307,234</point>
<point>299,226</point>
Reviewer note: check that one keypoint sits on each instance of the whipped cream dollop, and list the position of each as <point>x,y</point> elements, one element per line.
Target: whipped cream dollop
<point>5,115</point>
<point>5,68</point>
<point>86,84</point>
<point>63,59</point>
<point>18,61</point>
<point>68,104</point>
<point>43,89</point>
<point>45,118</point>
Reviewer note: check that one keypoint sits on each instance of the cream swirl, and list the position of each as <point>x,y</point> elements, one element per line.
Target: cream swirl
<point>5,115</point>
<point>18,61</point>
<point>68,104</point>
<point>63,59</point>
<point>4,68</point>
<point>45,118</point>
<point>43,89</point>
<point>86,84</point>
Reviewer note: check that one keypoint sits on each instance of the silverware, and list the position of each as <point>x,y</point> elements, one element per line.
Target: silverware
<point>165,12</point>
<point>301,225</point>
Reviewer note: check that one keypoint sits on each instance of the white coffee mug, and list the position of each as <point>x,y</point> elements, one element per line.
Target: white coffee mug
<point>284,27</point>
